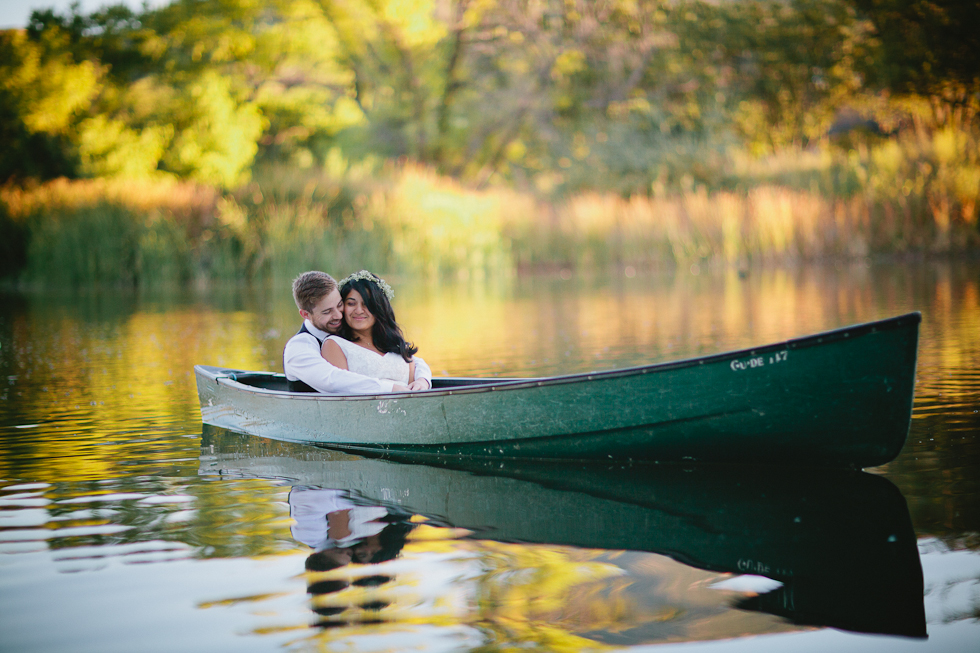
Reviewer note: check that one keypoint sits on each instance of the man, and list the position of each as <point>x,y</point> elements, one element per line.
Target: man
<point>318,299</point>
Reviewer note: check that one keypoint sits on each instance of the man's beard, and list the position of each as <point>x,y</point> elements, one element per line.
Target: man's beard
<point>325,327</point>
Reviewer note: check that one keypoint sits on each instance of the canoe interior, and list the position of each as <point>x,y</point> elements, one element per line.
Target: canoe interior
<point>278,383</point>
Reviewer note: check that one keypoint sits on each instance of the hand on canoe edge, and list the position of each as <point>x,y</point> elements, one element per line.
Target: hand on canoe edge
<point>414,386</point>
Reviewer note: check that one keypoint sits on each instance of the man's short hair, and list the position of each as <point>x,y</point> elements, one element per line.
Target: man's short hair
<point>310,287</point>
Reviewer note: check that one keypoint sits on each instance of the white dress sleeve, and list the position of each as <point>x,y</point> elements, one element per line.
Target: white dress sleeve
<point>422,370</point>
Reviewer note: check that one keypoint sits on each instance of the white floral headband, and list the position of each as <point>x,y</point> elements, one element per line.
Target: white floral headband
<point>370,276</point>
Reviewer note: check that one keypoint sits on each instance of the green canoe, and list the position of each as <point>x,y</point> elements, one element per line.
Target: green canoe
<point>840,398</point>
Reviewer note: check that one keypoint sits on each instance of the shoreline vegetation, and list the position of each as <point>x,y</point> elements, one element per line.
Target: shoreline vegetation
<point>208,141</point>
<point>407,219</point>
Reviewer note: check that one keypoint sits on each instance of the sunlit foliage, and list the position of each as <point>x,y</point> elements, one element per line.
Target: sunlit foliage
<point>553,96</point>
<point>40,97</point>
<point>466,136</point>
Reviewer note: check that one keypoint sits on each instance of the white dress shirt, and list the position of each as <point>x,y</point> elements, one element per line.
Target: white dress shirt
<point>309,508</point>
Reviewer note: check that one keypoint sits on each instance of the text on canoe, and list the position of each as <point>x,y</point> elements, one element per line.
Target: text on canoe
<point>759,361</point>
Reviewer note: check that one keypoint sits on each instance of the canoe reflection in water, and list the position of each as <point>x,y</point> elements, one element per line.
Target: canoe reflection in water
<point>342,532</point>
<point>841,543</point>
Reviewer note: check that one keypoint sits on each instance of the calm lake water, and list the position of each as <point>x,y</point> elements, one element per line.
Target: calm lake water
<point>126,525</point>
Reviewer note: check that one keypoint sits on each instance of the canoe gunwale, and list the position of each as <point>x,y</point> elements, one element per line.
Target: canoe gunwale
<point>228,376</point>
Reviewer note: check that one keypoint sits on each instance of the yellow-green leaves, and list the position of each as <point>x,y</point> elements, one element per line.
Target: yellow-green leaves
<point>109,148</point>
<point>48,92</point>
<point>217,136</point>
<point>568,63</point>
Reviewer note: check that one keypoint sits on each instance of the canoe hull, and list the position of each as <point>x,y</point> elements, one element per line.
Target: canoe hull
<point>838,398</point>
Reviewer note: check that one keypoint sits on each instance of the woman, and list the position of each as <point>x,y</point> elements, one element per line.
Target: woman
<point>370,341</point>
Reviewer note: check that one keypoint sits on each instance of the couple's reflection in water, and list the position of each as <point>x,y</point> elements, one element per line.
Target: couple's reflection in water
<point>837,546</point>
<point>344,533</point>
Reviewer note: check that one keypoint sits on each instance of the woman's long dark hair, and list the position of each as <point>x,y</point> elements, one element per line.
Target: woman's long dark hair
<point>386,333</point>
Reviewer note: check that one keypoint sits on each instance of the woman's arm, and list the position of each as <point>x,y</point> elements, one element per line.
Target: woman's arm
<point>334,354</point>
<point>423,375</point>
<point>419,375</point>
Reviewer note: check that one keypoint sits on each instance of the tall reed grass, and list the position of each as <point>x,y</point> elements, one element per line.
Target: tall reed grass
<point>766,224</point>
<point>436,226</point>
<point>110,232</point>
<point>912,195</point>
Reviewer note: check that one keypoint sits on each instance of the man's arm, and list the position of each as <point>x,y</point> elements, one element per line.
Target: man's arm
<point>302,360</point>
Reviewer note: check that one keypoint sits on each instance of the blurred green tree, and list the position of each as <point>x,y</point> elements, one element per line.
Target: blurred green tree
<point>553,96</point>
<point>43,92</point>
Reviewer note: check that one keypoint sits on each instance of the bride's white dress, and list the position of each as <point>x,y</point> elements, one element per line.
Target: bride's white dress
<point>364,361</point>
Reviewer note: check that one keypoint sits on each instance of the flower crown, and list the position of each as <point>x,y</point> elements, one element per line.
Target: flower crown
<point>370,276</point>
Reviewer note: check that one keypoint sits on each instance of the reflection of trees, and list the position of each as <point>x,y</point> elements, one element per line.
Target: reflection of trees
<point>221,509</point>
<point>101,366</point>
<point>939,469</point>
<point>497,595</point>
<point>536,595</point>
<point>545,596</point>
<point>209,517</point>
